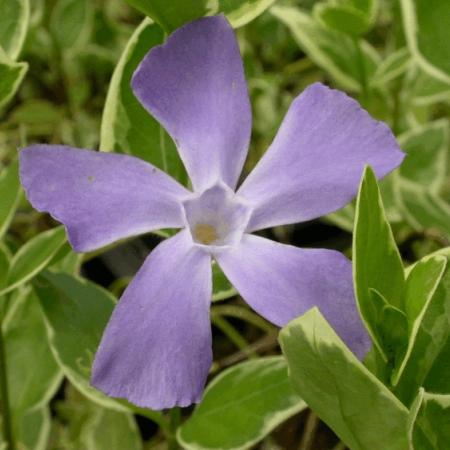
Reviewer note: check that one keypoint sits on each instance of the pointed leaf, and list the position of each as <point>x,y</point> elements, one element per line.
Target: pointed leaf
<point>11,75</point>
<point>339,389</point>
<point>427,361</point>
<point>376,261</point>
<point>33,257</point>
<point>421,286</point>
<point>391,68</point>
<point>241,12</point>
<point>391,328</point>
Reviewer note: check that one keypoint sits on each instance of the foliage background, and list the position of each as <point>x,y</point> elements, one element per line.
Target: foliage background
<point>65,67</point>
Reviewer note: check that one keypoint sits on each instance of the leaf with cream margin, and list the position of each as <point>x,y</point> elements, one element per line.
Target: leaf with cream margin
<point>14,21</point>
<point>427,29</point>
<point>428,364</point>
<point>355,404</point>
<point>421,285</point>
<point>11,75</point>
<point>334,52</point>
<point>26,345</point>
<point>76,312</point>
<point>427,155</point>
<point>241,406</point>
<point>126,126</point>
<point>172,15</point>
<point>33,257</point>
<point>377,263</point>
<point>430,421</point>
<point>9,195</point>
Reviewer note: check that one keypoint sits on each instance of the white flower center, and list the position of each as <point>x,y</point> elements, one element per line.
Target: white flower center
<point>216,217</point>
<point>205,233</point>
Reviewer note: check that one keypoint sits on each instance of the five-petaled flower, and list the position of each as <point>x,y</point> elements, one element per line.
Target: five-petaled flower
<point>156,350</point>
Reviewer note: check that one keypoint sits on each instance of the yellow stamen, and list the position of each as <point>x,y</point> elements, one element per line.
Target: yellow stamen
<point>205,233</point>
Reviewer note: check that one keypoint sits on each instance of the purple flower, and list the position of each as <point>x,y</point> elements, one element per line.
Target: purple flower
<point>156,350</point>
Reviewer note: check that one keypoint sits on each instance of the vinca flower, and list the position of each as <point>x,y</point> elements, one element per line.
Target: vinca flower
<point>156,350</point>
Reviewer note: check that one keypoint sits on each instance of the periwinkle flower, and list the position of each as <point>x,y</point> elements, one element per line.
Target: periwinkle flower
<point>156,350</point>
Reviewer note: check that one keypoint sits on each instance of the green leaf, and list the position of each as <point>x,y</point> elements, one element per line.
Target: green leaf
<point>32,431</point>
<point>427,30</point>
<point>13,26</point>
<point>86,425</point>
<point>430,421</point>
<point>339,389</point>
<point>4,267</point>
<point>368,7</point>
<point>332,51</point>
<point>122,431</point>
<point>421,286</point>
<point>9,195</point>
<point>241,12</point>
<point>11,75</point>
<point>391,327</point>
<point>174,14</point>
<point>376,260</point>
<point>427,364</point>
<point>76,312</point>
<point>344,218</point>
<point>392,67</point>
<point>33,375</point>
<point>71,23</point>
<point>222,288</point>
<point>422,209</point>
<point>426,89</point>
<point>33,257</point>
<point>241,406</point>
<point>66,260</point>
<point>342,18</point>
<point>126,126</point>
<point>427,153</point>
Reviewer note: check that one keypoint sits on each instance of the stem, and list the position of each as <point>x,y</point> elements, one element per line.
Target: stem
<point>162,144</point>
<point>175,419</point>
<point>242,313</point>
<point>310,431</point>
<point>230,332</point>
<point>6,413</point>
<point>162,138</point>
<point>267,342</point>
<point>362,71</point>
<point>339,446</point>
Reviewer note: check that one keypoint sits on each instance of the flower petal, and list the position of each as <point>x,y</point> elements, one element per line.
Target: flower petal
<point>281,282</point>
<point>156,350</point>
<point>315,162</point>
<point>99,197</point>
<point>194,85</point>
